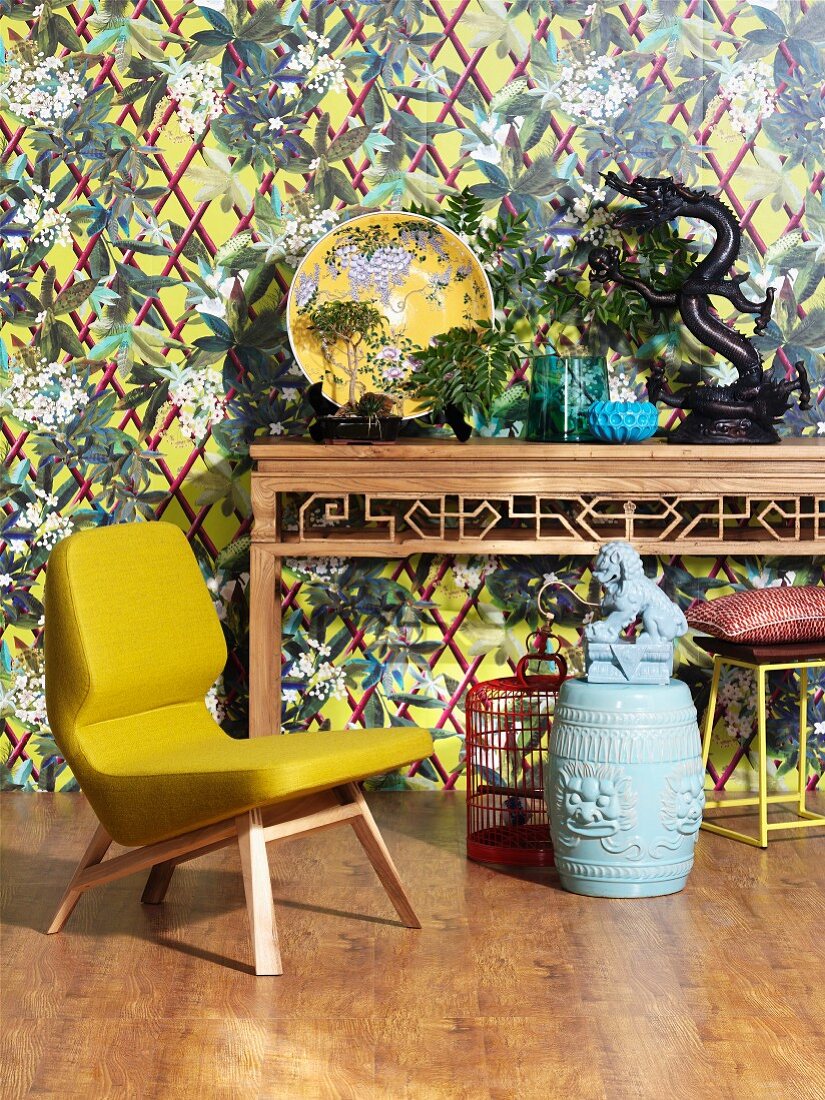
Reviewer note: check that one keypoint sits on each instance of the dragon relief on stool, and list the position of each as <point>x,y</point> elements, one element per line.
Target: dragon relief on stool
<point>592,802</point>
<point>747,410</point>
<point>683,801</point>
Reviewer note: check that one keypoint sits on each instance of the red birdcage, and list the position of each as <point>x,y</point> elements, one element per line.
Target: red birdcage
<point>508,732</point>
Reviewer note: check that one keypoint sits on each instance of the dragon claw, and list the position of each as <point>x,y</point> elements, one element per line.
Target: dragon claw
<point>604,263</point>
<point>655,382</point>
<point>765,312</point>
<point>804,384</point>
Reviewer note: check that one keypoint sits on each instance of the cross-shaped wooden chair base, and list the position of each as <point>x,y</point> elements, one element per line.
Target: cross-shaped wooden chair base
<point>252,831</point>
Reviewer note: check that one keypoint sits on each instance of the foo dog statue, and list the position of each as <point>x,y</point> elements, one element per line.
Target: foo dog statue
<point>628,596</point>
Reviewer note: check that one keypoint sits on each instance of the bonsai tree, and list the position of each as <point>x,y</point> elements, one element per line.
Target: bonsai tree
<point>371,405</point>
<point>347,323</point>
<point>465,367</point>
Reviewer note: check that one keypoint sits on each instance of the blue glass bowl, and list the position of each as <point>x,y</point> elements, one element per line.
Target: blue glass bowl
<point>623,421</point>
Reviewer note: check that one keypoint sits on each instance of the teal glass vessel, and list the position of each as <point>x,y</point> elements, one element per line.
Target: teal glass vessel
<point>625,789</point>
<point>562,389</point>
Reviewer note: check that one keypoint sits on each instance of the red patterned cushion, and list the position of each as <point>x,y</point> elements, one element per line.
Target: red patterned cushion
<point>784,614</point>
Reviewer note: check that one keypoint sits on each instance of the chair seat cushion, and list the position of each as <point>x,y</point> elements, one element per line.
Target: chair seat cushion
<point>765,653</point>
<point>173,770</point>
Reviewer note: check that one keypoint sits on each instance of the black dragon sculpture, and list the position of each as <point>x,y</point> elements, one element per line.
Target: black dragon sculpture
<point>747,410</point>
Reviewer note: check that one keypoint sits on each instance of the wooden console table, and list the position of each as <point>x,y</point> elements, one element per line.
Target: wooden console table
<point>501,496</point>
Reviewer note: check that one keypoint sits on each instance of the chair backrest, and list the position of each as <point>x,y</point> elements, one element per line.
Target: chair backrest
<point>130,628</point>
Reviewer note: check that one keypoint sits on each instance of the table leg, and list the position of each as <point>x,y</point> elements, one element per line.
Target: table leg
<point>264,642</point>
<point>803,734</point>
<point>710,713</point>
<point>277,654</point>
<point>762,741</point>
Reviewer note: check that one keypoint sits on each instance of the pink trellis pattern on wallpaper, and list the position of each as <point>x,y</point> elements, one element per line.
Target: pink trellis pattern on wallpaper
<point>164,169</point>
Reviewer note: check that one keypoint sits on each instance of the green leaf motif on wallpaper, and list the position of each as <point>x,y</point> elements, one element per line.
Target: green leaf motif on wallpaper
<point>166,170</point>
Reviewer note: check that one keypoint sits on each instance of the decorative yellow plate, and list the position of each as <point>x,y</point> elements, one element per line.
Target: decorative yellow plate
<point>420,278</point>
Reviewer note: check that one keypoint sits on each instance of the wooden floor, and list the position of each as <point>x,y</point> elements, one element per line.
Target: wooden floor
<point>512,990</point>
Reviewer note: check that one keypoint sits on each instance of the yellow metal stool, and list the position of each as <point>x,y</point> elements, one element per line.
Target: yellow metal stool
<point>764,659</point>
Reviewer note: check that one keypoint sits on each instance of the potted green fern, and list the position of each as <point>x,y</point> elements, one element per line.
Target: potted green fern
<point>465,371</point>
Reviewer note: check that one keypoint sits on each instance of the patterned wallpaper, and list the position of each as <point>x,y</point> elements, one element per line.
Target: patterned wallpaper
<point>164,168</point>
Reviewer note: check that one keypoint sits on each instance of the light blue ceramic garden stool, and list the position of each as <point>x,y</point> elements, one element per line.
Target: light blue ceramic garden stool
<point>626,788</point>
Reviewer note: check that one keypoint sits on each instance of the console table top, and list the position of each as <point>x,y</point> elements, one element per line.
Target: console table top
<point>807,449</point>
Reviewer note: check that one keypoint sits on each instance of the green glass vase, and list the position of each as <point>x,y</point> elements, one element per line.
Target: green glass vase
<point>562,389</point>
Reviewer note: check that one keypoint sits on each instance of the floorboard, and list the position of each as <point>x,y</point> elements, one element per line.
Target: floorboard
<point>512,990</point>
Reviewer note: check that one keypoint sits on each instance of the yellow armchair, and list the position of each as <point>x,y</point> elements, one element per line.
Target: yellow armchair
<point>133,644</point>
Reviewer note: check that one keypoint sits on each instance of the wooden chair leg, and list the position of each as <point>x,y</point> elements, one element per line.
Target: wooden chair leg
<point>158,883</point>
<point>378,854</point>
<point>97,849</point>
<point>258,890</point>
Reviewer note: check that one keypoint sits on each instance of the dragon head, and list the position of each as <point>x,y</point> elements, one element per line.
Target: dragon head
<point>660,199</point>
